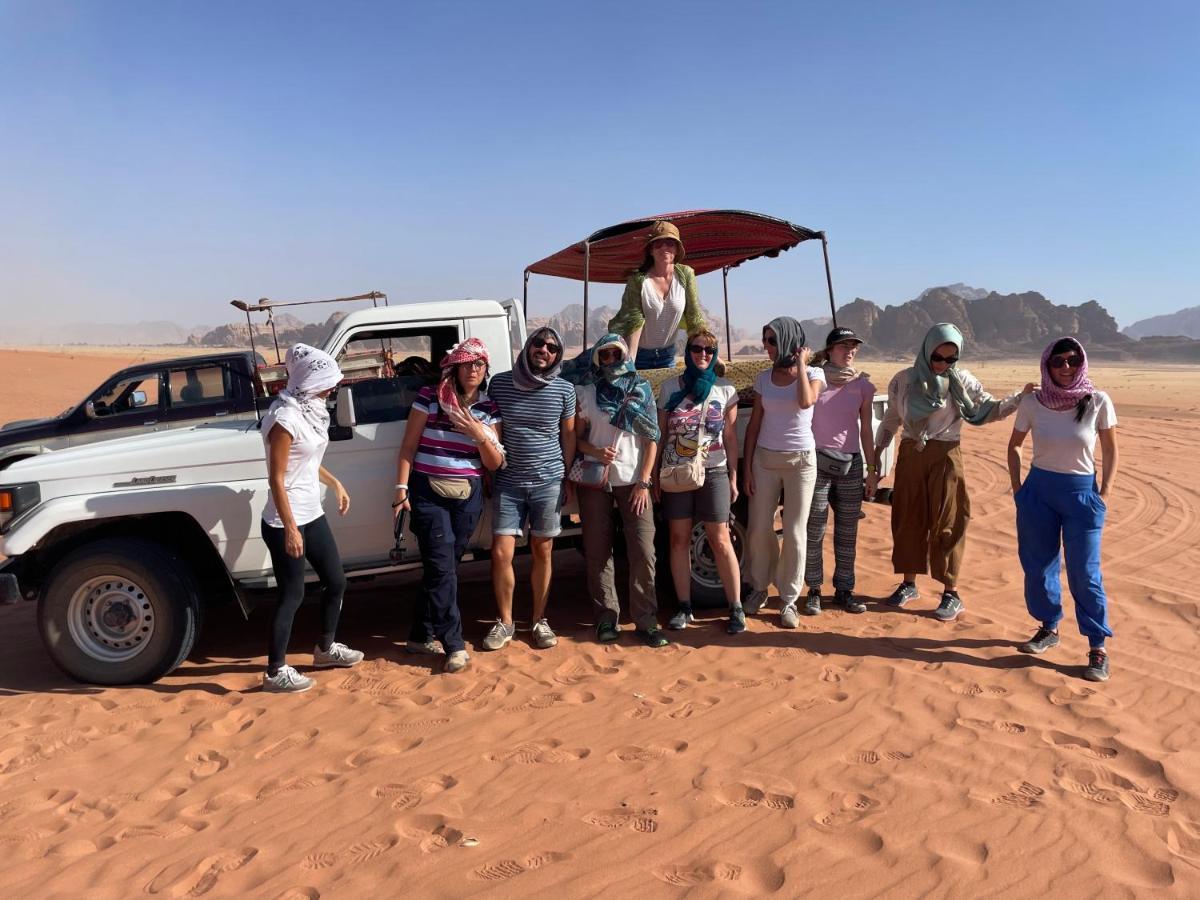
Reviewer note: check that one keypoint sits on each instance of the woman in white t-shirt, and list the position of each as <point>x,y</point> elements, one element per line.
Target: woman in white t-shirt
<point>295,433</point>
<point>697,414</point>
<point>782,455</point>
<point>1060,512</point>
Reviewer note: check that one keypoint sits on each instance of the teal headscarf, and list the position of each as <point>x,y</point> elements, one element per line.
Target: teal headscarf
<point>695,381</point>
<point>928,392</point>
<point>621,393</point>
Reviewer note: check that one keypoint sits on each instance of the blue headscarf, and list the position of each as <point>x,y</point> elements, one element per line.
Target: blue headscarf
<point>694,380</point>
<point>621,393</point>
<point>928,392</point>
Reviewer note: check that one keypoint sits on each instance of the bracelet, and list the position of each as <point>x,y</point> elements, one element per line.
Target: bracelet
<point>870,468</point>
<point>402,487</point>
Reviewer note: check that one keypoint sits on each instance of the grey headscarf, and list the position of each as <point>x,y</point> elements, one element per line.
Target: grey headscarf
<point>789,337</point>
<point>524,378</point>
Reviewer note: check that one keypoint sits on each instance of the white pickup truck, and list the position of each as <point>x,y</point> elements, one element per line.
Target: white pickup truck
<point>123,543</point>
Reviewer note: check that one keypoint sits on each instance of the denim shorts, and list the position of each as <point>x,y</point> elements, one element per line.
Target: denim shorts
<point>708,503</point>
<point>539,505</point>
<point>654,358</point>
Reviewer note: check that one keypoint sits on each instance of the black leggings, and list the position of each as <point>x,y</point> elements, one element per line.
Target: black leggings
<point>320,550</point>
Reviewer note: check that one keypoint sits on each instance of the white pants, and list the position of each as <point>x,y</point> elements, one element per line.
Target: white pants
<point>795,474</point>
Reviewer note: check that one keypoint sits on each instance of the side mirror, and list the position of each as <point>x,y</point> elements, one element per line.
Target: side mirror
<point>137,398</point>
<point>345,407</point>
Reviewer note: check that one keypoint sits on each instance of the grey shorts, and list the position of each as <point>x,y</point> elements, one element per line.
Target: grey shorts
<point>708,503</point>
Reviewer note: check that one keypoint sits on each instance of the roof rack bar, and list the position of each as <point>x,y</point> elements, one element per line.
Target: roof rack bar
<point>728,330</point>
<point>828,278</point>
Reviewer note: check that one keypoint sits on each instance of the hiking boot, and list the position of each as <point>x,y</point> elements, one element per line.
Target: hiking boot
<point>682,619</point>
<point>286,681</point>
<point>754,601</point>
<point>543,635</point>
<point>457,661</point>
<point>652,636</point>
<point>788,617</point>
<point>429,648</point>
<point>737,620</point>
<point>1097,667</point>
<point>338,656</point>
<point>901,596</point>
<point>1040,642</point>
<point>849,602</point>
<point>950,607</point>
<point>812,603</point>
<point>499,636</point>
<point>607,632</point>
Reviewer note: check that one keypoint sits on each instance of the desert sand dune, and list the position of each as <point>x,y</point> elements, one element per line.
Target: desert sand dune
<point>858,756</point>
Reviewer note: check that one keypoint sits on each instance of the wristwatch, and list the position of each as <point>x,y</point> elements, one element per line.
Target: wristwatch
<point>645,484</point>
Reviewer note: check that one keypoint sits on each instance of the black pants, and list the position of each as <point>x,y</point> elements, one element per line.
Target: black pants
<point>443,527</point>
<point>320,550</point>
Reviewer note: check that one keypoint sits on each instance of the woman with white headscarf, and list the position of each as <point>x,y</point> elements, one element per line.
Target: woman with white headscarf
<point>295,433</point>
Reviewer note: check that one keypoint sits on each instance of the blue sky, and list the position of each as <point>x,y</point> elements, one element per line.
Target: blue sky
<point>158,159</point>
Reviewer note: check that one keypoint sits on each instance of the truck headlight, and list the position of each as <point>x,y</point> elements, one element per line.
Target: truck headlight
<point>16,499</point>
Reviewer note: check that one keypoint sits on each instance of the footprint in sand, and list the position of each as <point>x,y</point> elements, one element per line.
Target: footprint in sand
<point>547,751</point>
<point>746,796</point>
<point>639,712</point>
<point>977,690</point>
<point>284,744</point>
<point>1079,745</point>
<point>407,796</point>
<point>582,668</point>
<point>36,801</point>
<point>989,725</point>
<point>644,821</point>
<point>848,809</point>
<point>184,880</point>
<point>300,893</point>
<point>368,755</point>
<point>504,869</point>
<point>290,785</point>
<point>237,721</point>
<point>1023,796</point>
<point>206,764</point>
<point>365,851</point>
<point>405,727</point>
<point>818,700</point>
<point>1093,782</point>
<point>635,754</point>
<point>690,708</point>
<point>834,674</point>
<point>83,811</point>
<point>872,757</point>
<point>554,698</point>
<point>1065,695</point>
<point>697,874</point>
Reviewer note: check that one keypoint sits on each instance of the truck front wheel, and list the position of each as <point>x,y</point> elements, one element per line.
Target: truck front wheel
<point>119,611</point>
<point>707,590</point>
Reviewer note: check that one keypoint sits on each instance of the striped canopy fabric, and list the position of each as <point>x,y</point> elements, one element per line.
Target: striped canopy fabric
<point>713,238</point>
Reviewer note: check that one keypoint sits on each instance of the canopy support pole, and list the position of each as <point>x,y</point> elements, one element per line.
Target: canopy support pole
<point>587,265</point>
<point>728,329</point>
<point>829,279</point>
<point>525,297</point>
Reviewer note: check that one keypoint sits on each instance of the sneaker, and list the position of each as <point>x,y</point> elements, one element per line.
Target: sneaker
<point>906,592</point>
<point>457,661</point>
<point>1040,642</point>
<point>543,635</point>
<point>499,636</point>
<point>286,681</point>
<point>682,619</point>
<point>737,620</point>
<point>849,602</point>
<point>812,603</point>
<point>429,648</point>
<point>1097,667</point>
<point>788,617</point>
<point>653,637</point>
<point>755,600</point>
<point>607,632</point>
<point>950,607</point>
<point>338,656</point>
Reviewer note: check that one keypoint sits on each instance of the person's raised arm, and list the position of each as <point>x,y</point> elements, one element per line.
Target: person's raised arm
<point>1111,461</point>
<point>806,388</point>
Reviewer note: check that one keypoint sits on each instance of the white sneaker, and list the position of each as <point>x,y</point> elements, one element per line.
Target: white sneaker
<point>789,617</point>
<point>286,681</point>
<point>457,661</point>
<point>338,656</point>
<point>430,648</point>
<point>499,636</point>
<point>543,635</point>
<point>682,619</point>
<point>754,601</point>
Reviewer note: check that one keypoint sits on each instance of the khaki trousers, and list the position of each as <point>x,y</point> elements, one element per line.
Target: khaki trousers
<point>794,474</point>
<point>595,514</point>
<point>930,511</point>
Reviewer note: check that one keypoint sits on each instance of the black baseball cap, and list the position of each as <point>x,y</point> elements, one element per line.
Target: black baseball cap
<point>841,334</point>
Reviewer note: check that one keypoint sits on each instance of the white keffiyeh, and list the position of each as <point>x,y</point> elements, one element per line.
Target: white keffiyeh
<point>310,371</point>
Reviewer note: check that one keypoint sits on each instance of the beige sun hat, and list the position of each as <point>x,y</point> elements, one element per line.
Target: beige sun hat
<point>662,231</point>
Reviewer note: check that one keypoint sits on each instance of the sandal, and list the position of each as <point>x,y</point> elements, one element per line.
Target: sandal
<point>653,637</point>
<point>607,632</point>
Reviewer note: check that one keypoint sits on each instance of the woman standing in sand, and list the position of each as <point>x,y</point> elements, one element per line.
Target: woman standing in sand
<point>295,433</point>
<point>930,507</point>
<point>782,456</point>
<point>660,298</point>
<point>697,415</point>
<point>1059,510</point>
<point>452,435</point>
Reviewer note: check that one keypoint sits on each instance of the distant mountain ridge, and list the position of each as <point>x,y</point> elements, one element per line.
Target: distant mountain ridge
<point>1183,323</point>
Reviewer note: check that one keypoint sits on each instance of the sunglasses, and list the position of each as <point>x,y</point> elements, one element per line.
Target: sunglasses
<point>475,364</point>
<point>539,344</point>
<point>948,360</point>
<point>700,348</point>
<point>1074,360</point>
<point>770,342</point>
<point>610,354</point>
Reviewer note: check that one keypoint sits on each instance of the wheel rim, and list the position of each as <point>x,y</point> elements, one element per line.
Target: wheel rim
<point>110,618</point>
<point>704,567</point>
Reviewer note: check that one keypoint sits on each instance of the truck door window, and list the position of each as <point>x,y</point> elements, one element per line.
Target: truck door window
<point>137,394</point>
<point>387,367</point>
<point>198,384</point>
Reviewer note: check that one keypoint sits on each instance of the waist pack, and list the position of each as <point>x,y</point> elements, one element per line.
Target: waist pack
<point>588,472</point>
<point>835,463</point>
<point>450,488</point>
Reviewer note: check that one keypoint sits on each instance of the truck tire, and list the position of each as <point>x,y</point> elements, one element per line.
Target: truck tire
<point>707,590</point>
<point>119,611</point>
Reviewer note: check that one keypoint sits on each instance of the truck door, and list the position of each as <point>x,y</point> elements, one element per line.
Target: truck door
<point>516,325</point>
<point>127,405</point>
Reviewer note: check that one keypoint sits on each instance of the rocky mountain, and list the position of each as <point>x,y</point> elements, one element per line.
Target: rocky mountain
<point>962,290</point>
<point>1184,323</point>
<point>50,330</point>
<point>288,328</point>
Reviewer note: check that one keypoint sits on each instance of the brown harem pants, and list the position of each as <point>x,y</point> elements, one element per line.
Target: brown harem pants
<point>930,511</point>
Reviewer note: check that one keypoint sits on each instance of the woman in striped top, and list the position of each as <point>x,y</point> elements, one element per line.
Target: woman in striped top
<point>452,435</point>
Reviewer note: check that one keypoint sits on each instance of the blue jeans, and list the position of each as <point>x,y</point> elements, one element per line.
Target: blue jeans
<point>654,358</point>
<point>1056,510</point>
<point>539,504</point>
<point>443,527</point>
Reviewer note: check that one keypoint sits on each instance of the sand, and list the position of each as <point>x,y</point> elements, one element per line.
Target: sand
<point>884,754</point>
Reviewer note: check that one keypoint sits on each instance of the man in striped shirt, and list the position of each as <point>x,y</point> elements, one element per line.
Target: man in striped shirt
<point>538,409</point>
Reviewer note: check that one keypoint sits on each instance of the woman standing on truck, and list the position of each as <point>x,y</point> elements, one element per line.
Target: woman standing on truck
<point>296,432</point>
<point>1059,509</point>
<point>616,429</point>
<point>841,429</point>
<point>930,506</point>
<point>781,451</point>
<point>697,416</point>
<point>660,298</point>
<point>452,435</point>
